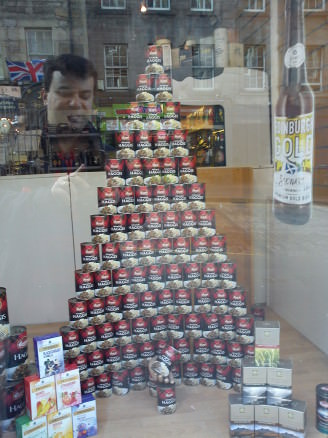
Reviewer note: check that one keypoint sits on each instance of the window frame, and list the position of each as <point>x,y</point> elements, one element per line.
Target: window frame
<point>201,9</point>
<point>255,7</point>
<point>159,8</point>
<point>255,72</point>
<point>114,68</point>
<point>316,86</point>
<point>113,7</point>
<point>322,8</point>
<point>197,82</point>
<point>39,54</point>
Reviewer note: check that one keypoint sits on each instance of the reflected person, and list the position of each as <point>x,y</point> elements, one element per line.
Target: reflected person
<point>69,138</point>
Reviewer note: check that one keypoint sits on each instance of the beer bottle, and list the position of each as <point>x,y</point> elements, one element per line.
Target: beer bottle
<point>293,127</point>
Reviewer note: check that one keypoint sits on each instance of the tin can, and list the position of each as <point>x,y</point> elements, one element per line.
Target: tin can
<point>83,280</point>
<point>88,339</point>
<point>112,358</point>
<point>103,384</point>
<point>17,352</point>
<point>166,398</point>
<point>80,361</point>
<point>89,252</point>
<point>165,360</point>
<point>13,399</point>
<point>71,341</point>
<point>88,385</point>
<point>78,313</point>
<point>223,376</point>
<point>191,375</point>
<point>138,378</point>
<point>121,382</point>
<point>207,372</point>
<point>245,329</point>
<point>105,335</point>
<point>4,317</point>
<point>235,353</point>
<point>258,311</point>
<point>322,407</point>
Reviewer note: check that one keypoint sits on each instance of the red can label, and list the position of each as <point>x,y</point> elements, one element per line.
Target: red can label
<point>151,167</point>
<point>179,137</point>
<point>161,193</point>
<point>153,220</point>
<point>183,297</point>
<point>88,386</point>
<point>139,274</point>
<point>196,192</point>
<point>89,252</point>
<point>135,221</point>
<point>171,219</point>
<point>192,272</point>
<point>148,300</point>
<point>122,328</point>
<point>201,346</point>
<point>237,298</point>
<point>87,335</point>
<point>103,278</point>
<point>181,245</point>
<point>210,271</point>
<point>121,276</point>
<point>80,361</point>
<point>133,167</point>
<point>174,272</point>
<point>117,223</point>
<point>192,322</point>
<point>124,139</point>
<point>146,350</point>
<point>114,167</point>
<point>220,297</point>
<point>178,192</point>
<point>105,331</point>
<point>13,397</point>
<point>143,82</point>
<point>83,280</point>
<point>217,244</point>
<point>143,139</point>
<point>4,318</point>
<point>113,303</point>
<point>110,251</point>
<point>140,326</point>
<point>143,195</point>
<point>77,309</point>
<point>158,323</point>
<point>165,297</point>
<point>206,218</point>
<point>96,306</point>
<point>112,355</point>
<point>103,381</point>
<point>146,247</point>
<point>188,219</point>
<point>129,352</point>
<point>126,195</point>
<point>70,337</point>
<point>17,346</point>
<point>130,301</point>
<point>95,359</point>
<point>169,166</point>
<point>99,224</point>
<point>164,246</point>
<point>161,139</point>
<point>128,249</point>
<point>228,271</point>
<point>187,165</point>
<point>199,245</point>
<point>156,273</point>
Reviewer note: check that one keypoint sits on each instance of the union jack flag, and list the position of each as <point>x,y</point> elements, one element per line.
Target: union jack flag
<point>26,71</point>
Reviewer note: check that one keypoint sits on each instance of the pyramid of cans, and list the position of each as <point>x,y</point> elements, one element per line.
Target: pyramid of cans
<point>154,271</point>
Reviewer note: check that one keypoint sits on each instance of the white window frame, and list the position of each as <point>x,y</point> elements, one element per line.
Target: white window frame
<point>255,6</point>
<point>206,83</point>
<point>116,69</point>
<point>40,52</point>
<point>110,4</point>
<point>316,86</point>
<point>255,76</point>
<point>314,5</point>
<point>159,5</point>
<point>201,6</point>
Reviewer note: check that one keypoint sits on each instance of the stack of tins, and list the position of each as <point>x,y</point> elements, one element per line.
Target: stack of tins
<point>13,368</point>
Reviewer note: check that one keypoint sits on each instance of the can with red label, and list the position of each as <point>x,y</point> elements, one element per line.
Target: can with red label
<point>165,302</point>
<point>117,223</point>
<point>210,274</point>
<point>158,327</point>
<point>166,398</point>
<point>227,329</point>
<point>143,195</point>
<point>148,303</point>
<point>217,244</point>
<point>179,136</point>
<point>258,311</point>
<point>191,279</point>
<point>130,355</point>
<point>121,280</point>
<point>187,165</point>
<point>201,350</point>
<point>123,332</point>
<point>95,361</point>
<point>210,325</point>
<point>107,196</point>
<point>193,326</point>
<point>199,247</point>
<point>178,193</point>
<point>103,282</point>
<point>169,166</point>
<point>175,325</point>
<point>236,378</point>
<point>113,308</point>
<point>146,248</point>
<point>183,346</point>
<point>161,194</point>
<point>161,139</point>
<point>96,310</point>
<point>245,329</point>
<point>121,382</point>
<point>88,338</point>
<point>220,301</point>
<point>146,352</point>
<point>196,192</point>
<point>78,313</point>
<point>235,353</point>
<point>12,395</point>
<point>174,275</point>
<point>114,168</point>
<point>153,221</point>
<point>140,330</point>
<point>207,372</point>
<point>17,351</point>
<point>190,374</point>
<point>83,280</point>
<point>105,335</point>
<point>218,351</point>
<point>112,358</point>
<point>249,350</point>
<point>124,139</point>
<point>133,168</point>
<point>142,82</point>
<point>237,301</point>
<point>88,385</point>
<point>156,274</point>
<point>110,251</point>
<point>135,222</point>
<point>223,376</point>
<point>151,167</point>
<point>81,363</point>
<point>4,317</point>
<point>71,341</point>
<point>139,277</point>
<point>183,301</point>
<point>228,273</point>
<point>89,252</point>
<point>103,384</point>
<point>130,305</point>
<point>138,378</point>
<point>99,224</point>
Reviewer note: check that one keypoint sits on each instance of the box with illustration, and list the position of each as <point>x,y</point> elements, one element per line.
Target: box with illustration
<point>40,396</point>
<point>60,424</point>
<point>85,417</point>
<point>49,354</point>
<point>68,387</point>
<point>27,428</point>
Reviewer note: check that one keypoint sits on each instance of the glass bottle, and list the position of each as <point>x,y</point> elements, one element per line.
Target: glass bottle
<point>293,127</point>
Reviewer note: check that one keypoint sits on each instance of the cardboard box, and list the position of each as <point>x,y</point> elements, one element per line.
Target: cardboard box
<point>254,382</point>
<point>84,417</point>
<point>241,417</point>
<point>267,343</point>
<point>292,419</point>
<point>266,421</point>
<point>60,424</point>
<point>68,388</point>
<point>279,383</point>
<point>40,396</point>
<point>49,354</point>
<point>27,428</point>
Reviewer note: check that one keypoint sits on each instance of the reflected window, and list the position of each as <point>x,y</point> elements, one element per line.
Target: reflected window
<point>113,4</point>
<point>314,62</point>
<point>39,43</point>
<point>254,61</point>
<point>203,65</point>
<point>202,5</point>
<point>314,5</point>
<point>158,4</point>
<point>255,5</point>
<point>116,66</point>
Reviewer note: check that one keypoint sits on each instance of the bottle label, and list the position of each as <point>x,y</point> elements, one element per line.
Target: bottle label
<point>295,56</point>
<point>293,142</point>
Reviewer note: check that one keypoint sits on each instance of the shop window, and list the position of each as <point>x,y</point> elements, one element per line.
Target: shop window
<point>255,5</point>
<point>202,5</point>
<point>158,4</point>
<point>39,43</point>
<point>314,62</point>
<point>255,62</point>
<point>203,65</point>
<point>314,5</point>
<point>116,66</point>
<point>113,4</point>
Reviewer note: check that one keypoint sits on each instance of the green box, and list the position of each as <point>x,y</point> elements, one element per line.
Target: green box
<point>267,343</point>
<point>25,427</point>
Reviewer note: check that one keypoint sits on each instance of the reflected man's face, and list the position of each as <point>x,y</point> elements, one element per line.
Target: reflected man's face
<point>70,100</point>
